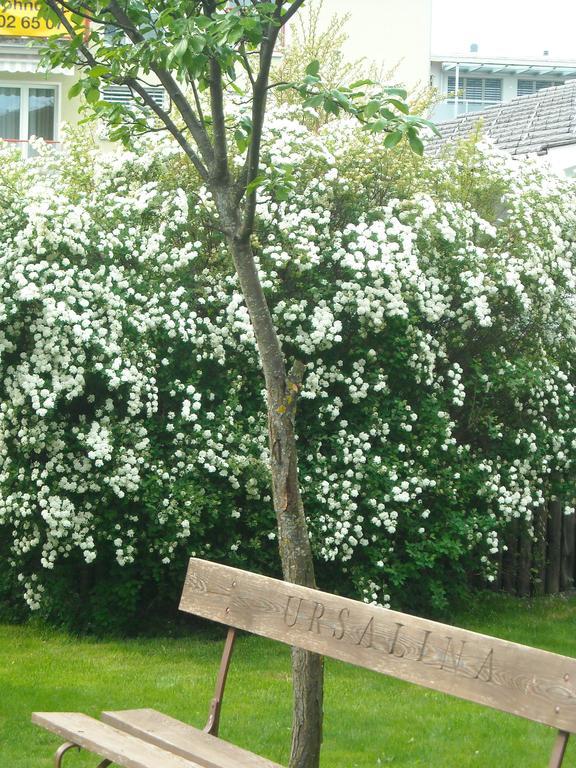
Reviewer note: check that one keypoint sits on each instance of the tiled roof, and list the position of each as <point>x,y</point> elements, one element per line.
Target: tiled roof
<point>525,125</point>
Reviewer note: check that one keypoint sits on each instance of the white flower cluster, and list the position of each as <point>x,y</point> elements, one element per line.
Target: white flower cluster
<point>438,333</point>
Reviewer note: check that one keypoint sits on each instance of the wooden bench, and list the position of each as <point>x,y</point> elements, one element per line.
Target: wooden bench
<point>528,682</point>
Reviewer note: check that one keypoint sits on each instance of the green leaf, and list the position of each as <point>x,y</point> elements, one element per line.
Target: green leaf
<point>76,89</point>
<point>377,126</point>
<point>92,95</point>
<point>401,92</point>
<point>202,22</point>
<point>340,98</point>
<point>331,106</point>
<point>314,101</point>
<point>180,49</point>
<point>393,139</point>
<point>235,35</point>
<point>371,109</point>
<point>360,84</point>
<point>241,141</point>
<point>98,70</point>
<point>197,43</point>
<point>255,183</point>
<point>431,125</point>
<point>282,194</point>
<point>401,106</point>
<point>416,143</point>
<point>313,68</point>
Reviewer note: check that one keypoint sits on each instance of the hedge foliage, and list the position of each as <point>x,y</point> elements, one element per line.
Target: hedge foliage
<point>432,300</point>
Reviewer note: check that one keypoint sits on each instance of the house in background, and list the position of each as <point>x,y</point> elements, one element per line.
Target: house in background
<point>33,102</point>
<point>392,36</point>
<point>542,125</point>
<point>470,83</point>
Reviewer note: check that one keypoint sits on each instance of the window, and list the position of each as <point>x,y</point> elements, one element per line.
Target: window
<point>121,94</point>
<point>473,89</point>
<point>27,111</point>
<point>41,108</point>
<point>525,87</point>
<point>492,89</point>
<point>10,113</point>
<point>476,89</point>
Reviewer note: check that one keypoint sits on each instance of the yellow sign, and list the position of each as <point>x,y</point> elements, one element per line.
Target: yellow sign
<point>19,18</point>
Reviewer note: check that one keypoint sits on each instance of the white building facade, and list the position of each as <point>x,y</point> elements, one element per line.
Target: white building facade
<point>471,83</point>
<point>33,102</point>
<point>391,35</point>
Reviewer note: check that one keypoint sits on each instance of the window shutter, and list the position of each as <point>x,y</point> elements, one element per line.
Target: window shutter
<point>532,86</point>
<point>525,87</point>
<point>473,88</point>
<point>477,89</point>
<point>121,94</point>
<point>492,89</point>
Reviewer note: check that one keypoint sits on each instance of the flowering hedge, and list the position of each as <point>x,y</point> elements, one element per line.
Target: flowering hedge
<point>432,300</point>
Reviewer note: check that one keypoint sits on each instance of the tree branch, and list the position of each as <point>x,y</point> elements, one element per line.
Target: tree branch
<point>246,63</point>
<point>170,125</point>
<point>197,102</point>
<point>220,171</point>
<point>259,99</point>
<point>294,8</point>
<point>54,5</point>
<point>90,16</point>
<point>192,122</point>
<point>135,85</point>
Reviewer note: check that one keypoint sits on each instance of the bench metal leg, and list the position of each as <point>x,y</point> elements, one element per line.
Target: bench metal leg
<point>61,751</point>
<point>557,756</point>
<point>216,705</point>
<point>105,764</point>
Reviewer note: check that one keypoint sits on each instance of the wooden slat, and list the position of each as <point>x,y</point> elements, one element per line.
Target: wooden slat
<point>119,747</point>
<point>535,684</point>
<point>184,740</point>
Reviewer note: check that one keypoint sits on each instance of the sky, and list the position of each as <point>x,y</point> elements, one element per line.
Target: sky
<point>505,27</point>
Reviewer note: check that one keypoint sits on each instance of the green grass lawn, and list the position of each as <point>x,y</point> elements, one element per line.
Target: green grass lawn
<point>370,720</point>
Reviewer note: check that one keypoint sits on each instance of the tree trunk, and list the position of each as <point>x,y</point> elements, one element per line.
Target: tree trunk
<point>297,565</point>
<point>294,542</point>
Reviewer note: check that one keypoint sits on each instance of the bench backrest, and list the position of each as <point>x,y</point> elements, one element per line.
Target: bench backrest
<point>514,678</point>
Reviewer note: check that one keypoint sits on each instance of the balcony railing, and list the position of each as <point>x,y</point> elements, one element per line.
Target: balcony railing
<point>448,110</point>
<point>28,150</point>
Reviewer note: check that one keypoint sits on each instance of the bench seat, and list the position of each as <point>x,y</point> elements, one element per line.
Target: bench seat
<point>184,740</point>
<point>108,742</point>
